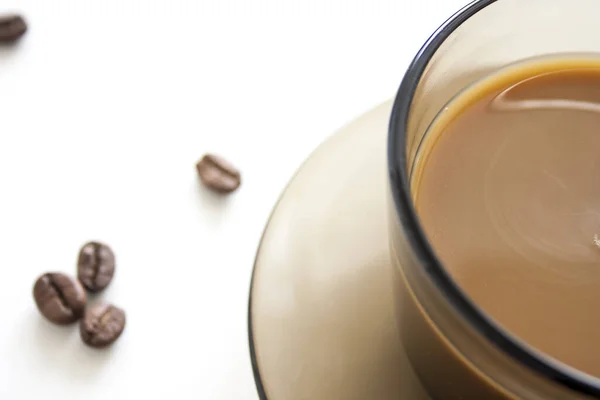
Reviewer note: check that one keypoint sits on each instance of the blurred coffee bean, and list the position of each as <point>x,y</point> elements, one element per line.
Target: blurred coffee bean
<point>95,266</point>
<point>60,298</point>
<point>101,325</point>
<point>218,174</point>
<point>12,27</point>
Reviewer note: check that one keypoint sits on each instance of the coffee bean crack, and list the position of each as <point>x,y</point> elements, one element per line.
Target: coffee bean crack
<point>59,294</point>
<point>95,264</point>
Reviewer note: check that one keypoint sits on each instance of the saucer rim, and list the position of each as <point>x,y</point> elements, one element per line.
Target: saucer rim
<point>258,378</point>
<point>258,381</point>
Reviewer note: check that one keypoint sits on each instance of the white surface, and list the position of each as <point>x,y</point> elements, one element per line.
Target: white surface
<point>106,106</point>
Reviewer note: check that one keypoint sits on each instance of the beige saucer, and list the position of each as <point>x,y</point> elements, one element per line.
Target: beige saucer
<point>321,318</point>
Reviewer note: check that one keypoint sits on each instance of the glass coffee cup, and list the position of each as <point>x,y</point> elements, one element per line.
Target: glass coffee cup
<point>456,350</point>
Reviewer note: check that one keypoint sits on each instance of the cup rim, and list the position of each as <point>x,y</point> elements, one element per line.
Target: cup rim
<point>555,371</point>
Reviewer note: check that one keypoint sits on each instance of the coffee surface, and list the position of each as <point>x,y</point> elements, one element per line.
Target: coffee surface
<point>507,187</point>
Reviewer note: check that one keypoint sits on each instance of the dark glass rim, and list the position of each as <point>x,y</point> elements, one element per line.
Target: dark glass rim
<point>399,183</point>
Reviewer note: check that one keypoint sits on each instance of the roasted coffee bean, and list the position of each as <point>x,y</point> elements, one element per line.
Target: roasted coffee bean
<point>218,174</point>
<point>101,325</point>
<point>95,266</point>
<point>60,298</point>
<point>12,27</point>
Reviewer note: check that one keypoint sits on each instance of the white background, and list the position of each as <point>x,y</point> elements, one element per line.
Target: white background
<point>105,106</point>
